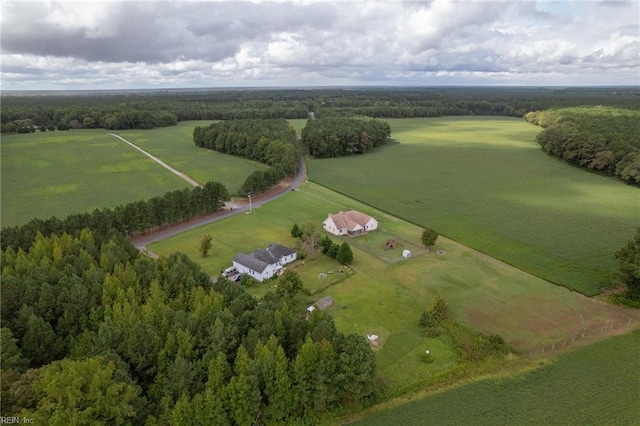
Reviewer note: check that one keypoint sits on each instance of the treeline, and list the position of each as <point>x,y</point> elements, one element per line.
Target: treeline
<point>601,139</point>
<point>93,332</point>
<point>130,219</point>
<point>337,137</point>
<point>141,109</point>
<point>101,118</point>
<point>268,141</point>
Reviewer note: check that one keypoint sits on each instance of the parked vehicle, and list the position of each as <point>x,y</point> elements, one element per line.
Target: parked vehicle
<point>229,271</point>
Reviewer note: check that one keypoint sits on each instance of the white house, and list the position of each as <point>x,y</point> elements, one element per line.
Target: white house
<point>351,223</point>
<point>263,264</point>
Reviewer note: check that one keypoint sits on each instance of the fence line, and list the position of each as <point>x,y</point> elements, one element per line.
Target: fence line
<point>581,336</point>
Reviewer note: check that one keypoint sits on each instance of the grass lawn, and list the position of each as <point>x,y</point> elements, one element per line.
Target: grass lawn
<point>298,123</point>
<point>387,299</point>
<point>174,145</point>
<point>59,173</point>
<point>596,385</point>
<point>483,181</point>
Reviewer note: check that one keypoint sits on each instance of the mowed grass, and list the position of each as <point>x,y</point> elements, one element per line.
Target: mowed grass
<point>59,173</point>
<point>174,145</point>
<point>483,181</point>
<point>596,385</point>
<point>387,299</point>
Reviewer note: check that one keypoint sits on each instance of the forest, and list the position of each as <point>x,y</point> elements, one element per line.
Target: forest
<point>341,136</point>
<point>145,109</point>
<point>601,139</point>
<point>269,141</point>
<point>94,331</point>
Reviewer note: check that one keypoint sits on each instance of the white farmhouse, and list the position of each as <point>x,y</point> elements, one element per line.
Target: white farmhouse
<point>351,223</point>
<point>263,264</point>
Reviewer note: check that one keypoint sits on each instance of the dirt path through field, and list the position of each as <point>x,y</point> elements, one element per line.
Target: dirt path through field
<point>159,161</point>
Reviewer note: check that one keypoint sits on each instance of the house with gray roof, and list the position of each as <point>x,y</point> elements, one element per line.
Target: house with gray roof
<point>263,264</point>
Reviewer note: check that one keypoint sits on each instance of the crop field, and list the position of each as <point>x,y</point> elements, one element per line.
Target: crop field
<point>387,299</point>
<point>174,145</point>
<point>59,173</point>
<point>595,385</point>
<point>484,182</point>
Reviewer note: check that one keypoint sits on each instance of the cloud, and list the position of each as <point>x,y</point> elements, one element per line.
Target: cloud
<point>190,43</point>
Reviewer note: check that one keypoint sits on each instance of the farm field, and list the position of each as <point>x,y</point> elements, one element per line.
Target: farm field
<point>387,299</point>
<point>484,182</point>
<point>59,173</point>
<point>174,145</point>
<point>595,385</point>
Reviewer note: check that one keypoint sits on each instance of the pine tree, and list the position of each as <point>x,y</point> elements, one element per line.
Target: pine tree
<point>345,255</point>
<point>244,393</point>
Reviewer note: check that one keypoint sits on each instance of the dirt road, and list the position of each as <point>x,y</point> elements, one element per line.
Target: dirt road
<point>159,161</point>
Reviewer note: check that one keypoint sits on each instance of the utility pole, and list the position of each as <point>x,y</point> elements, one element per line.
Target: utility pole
<point>249,202</point>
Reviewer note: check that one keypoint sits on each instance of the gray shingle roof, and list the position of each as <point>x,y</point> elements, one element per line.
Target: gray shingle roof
<point>265,256</point>
<point>250,262</point>
<point>260,259</point>
<point>279,251</point>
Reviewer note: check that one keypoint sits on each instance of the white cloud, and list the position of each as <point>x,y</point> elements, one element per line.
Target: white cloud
<point>153,44</point>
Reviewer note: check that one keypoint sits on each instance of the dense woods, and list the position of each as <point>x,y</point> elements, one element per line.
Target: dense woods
<point>145,109</point>
<point>130,219</point>
<point>337,137</point>
<point>267,141</point>
<point>604,140</point>
<point>93,331</point>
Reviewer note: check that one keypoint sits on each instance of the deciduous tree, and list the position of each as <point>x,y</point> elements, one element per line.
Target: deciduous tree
<point>429,237</point>
<point>205,244</point>
<point>84,392</point>
<point>628,271</point>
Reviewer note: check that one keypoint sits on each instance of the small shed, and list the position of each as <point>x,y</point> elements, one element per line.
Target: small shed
<point>311,309</point>
<point>406,253</point>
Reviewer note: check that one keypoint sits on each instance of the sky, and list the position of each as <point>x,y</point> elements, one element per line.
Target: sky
<point>112,45</point>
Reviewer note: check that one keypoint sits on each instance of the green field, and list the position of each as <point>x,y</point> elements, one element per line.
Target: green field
<point>59,173</point>
<point>387,299</point>
<point>174,145</point>
<point>596,385</point>
<point>298,123</point>
<point>484,182</point>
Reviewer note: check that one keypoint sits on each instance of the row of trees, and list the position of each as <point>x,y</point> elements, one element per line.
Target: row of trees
<point>604,140</point>
<point>337,137</point>
<point>131,109</point>
<point>113,120</point>
<point>130,219</point>
<point>95,332</point>
<point>268,141</point>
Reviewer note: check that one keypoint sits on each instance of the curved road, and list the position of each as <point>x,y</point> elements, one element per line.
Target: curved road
<point>229,210</point>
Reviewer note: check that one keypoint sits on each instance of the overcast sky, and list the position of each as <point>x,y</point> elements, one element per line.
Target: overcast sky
<point>166,44</point>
